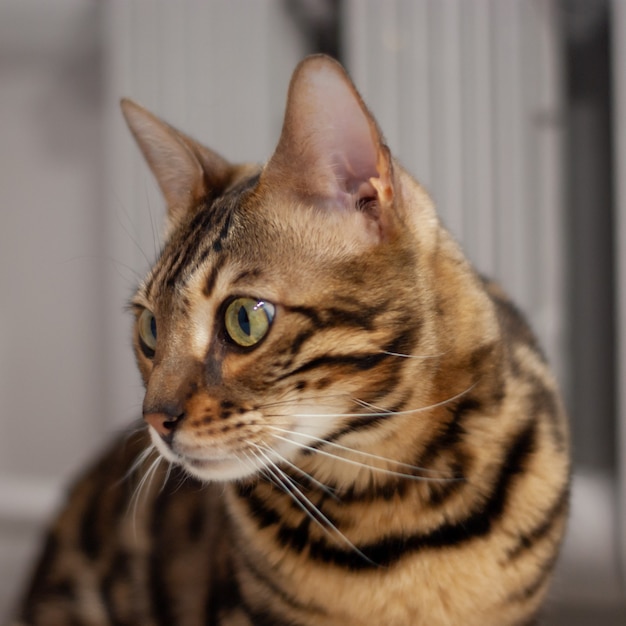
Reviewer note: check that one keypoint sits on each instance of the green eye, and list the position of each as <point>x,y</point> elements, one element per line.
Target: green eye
<point>248,320</point>
<point>148,332</point>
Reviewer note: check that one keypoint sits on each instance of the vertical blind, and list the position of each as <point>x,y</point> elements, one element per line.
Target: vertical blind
<point>472,98</point>
<point>469,95</point>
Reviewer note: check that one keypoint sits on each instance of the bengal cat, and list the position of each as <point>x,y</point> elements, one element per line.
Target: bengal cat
<point>346,424</point>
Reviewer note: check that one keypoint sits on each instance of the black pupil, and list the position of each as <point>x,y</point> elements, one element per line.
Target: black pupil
<point>153,329</point>
<point>244,320</point>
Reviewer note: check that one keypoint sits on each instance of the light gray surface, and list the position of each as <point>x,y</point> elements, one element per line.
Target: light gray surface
<point>19,543</point>
<point>585,616</point>
<point>50,380</point>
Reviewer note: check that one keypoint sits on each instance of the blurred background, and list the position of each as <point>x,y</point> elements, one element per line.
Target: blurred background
<point>511,112</point>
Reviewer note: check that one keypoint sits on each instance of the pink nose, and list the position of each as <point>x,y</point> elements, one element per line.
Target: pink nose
<point>163,423</point>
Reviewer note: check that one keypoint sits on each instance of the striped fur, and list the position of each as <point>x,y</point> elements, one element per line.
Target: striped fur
<point>394,450</point>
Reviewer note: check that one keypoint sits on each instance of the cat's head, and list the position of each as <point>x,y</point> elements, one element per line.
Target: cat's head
<point>283,297</point>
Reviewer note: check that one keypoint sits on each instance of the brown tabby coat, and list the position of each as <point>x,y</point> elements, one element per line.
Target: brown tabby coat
<point>391,451</point>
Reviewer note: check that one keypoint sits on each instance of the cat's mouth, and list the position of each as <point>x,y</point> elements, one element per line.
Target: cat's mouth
<point>209,465</point>
<point>216,468</point>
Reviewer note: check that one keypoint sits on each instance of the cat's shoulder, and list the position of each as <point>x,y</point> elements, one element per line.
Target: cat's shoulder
<point>513,322</point>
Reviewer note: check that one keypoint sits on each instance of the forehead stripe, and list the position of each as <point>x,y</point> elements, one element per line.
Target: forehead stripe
<point>212,279</point>
<point>206,232</point>
<point>205,222</point>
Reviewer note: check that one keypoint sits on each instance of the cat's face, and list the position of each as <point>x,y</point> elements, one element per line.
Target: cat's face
<point>276,312</point>
<point>263,332</point>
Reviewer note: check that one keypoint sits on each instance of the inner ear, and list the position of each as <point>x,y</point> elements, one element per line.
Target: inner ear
<point>330,149</point>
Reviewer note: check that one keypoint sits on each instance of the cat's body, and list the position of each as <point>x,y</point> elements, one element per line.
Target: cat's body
<point>387,440</point>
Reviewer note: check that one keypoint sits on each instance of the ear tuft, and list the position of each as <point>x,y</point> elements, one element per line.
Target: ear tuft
<point>185,170</point>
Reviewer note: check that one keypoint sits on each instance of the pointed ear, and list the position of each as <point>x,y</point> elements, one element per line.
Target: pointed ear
<point>185,170</point>
<point>330,149</point>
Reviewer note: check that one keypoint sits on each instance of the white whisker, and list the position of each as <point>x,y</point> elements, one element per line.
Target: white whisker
<point>288,485</point>
<point>368,405</point>
<point>433,475</point>
<point>144,484</point>
<point>327,399</point>
<point>251,464</point>
<point>385,412</point>
<point>139,461</point>
<point>413,356</point>
<point>325,488</point>
<point>166,478</point>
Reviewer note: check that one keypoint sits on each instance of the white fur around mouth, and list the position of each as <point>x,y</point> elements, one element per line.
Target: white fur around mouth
<point>218,468</point>
<point>209,467</point>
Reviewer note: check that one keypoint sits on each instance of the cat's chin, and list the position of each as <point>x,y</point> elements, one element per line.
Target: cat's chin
<point>217,470</point>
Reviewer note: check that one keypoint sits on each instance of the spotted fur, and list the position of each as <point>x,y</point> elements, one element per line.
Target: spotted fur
<point>393,451</point>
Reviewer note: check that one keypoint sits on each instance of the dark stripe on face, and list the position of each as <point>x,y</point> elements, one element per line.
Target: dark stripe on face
<point>246,275</point>
<point>320,318</point>
<point>205,245</point>
<point>364,318</point>
<point>217,243</point>
<point>385,385</point>
<point>206,232</point>
<point>147,289</point>
<point>182,248</point>
<point>358,362</point>
<point>212,279</point>
<point>300,339</point>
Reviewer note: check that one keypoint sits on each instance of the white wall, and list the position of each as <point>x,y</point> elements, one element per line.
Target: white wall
<point>470,97</point>
<point>50,321</point>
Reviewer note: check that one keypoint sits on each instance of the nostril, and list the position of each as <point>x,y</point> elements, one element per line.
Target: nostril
<point>164,424</point>
<point>171,423</point>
